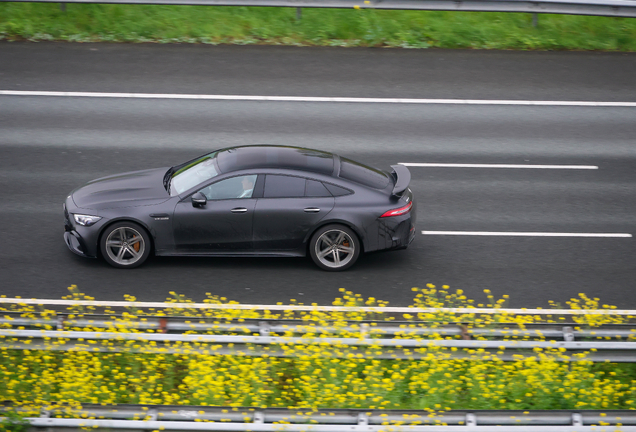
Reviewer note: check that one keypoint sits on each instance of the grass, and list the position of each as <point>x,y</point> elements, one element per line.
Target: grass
<point>321,27</point>
<point>435,382</point>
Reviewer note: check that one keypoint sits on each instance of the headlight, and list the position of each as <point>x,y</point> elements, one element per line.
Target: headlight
<point>85,220</point>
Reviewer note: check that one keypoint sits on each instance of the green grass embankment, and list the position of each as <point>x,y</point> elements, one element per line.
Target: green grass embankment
<point>319,27</point>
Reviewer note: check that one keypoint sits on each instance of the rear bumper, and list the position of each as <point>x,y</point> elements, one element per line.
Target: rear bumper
<point>395,233</point>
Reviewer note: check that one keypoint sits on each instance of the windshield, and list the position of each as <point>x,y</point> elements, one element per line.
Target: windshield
<point>194,173</point>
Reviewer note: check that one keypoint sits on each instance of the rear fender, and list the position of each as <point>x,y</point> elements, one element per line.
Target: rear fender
<point>323,223</point>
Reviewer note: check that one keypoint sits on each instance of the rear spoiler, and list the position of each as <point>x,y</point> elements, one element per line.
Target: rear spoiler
<point>403,178</point>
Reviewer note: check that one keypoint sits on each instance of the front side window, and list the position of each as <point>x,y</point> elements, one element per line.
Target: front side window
<point>195,173</point>
<point>231,188</point>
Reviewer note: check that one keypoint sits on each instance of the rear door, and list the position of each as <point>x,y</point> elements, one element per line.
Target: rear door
<point>290,207</point>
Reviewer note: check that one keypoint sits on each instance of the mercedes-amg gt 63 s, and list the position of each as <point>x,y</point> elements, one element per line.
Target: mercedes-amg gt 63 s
<point>260,200</point>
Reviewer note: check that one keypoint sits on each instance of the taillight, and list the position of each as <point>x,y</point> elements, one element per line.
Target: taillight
<point>399,211</point>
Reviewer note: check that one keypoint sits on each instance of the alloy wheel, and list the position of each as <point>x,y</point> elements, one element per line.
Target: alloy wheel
<point>335,248</point>
<point>125,246</point>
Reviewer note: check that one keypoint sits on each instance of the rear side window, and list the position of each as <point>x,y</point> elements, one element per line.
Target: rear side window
<point>337,190</point>
<point>314,188</point>
<point>365,175</point>
<point>278,186</point>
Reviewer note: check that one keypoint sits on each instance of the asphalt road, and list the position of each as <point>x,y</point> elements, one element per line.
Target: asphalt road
<point>50,145</point>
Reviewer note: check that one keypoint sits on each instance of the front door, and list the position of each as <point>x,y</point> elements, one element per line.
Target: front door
<point>223,224</point>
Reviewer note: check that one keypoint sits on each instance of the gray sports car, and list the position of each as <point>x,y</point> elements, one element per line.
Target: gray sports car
<point>260,200</point>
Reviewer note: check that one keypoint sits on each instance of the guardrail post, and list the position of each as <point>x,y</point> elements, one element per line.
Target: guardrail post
<point>264,328</point>
<point>60,319</point>
<point>299,13</point>
<point>471,419</point>
<point>63,7</point>
<point>568,334</point>
<point>363,419</point>
<point>577,419</point>
<point>259,417</point>
<point>464,332</point>
<point>364,331</point>
<point>45,413</point>
<point>535,19</point>
<point>163,325</point>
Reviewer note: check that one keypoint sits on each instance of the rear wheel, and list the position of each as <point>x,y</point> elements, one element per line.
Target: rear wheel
<point>125,245</point>
<point>334,248</point>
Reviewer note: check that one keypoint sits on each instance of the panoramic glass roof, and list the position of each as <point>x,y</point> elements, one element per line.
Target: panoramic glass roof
<point>264,156</point>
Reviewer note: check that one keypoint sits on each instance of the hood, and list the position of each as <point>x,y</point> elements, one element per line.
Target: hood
<point>130,189</point>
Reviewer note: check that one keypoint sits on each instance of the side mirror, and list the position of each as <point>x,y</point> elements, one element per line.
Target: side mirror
<point>199,200</point>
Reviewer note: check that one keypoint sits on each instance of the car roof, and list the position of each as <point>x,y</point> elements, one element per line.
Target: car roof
<point>275,156</point>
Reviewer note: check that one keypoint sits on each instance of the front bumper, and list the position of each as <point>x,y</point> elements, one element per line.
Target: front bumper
<point>74,239</point>
<point>75,243</point>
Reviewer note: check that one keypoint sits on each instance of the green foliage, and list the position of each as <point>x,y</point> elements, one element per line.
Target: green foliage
<point>144,372</point>
<point>323,27</point>
<point>10,421</point>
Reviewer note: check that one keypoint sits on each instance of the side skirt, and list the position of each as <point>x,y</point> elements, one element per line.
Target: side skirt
<point>232,254</point>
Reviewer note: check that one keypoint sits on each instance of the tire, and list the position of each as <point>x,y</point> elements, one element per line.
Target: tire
<point>129,251</point>
<point>334,248</point>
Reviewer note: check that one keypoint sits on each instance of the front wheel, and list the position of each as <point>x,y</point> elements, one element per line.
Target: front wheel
<point>334,248</point>
<point>125,245</point>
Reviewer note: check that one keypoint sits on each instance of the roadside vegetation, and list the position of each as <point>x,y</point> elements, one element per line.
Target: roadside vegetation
<point>313,378</point>
<point>317,27</point>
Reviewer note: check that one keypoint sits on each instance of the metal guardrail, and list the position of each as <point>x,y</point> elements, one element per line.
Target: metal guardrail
<point>179,417</point>
<point>388,340</point>
<point>264,327</point>
<point>331,347</point>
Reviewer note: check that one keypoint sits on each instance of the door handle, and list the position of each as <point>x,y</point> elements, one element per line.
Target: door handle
<point>312,210</point>
<point>239,210</point>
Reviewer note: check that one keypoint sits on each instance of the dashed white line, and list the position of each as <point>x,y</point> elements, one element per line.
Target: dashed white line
<point>524,234</point>
<point>316,99</point>
<point>521,166</point>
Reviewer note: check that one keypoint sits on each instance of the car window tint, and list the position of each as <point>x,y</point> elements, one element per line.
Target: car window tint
<point>337,190</point>
<point>365,175</point>
<point>314,188</point>
<point>278,186</point>
<point>232,188</point>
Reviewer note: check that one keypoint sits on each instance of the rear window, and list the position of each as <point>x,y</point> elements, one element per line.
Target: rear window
<point>362,174</point>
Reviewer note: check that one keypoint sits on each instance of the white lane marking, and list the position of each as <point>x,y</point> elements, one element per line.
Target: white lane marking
<point>316,99</point>
<point>456,165</point>
<point>524,234</point>
<point>409,310</point>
